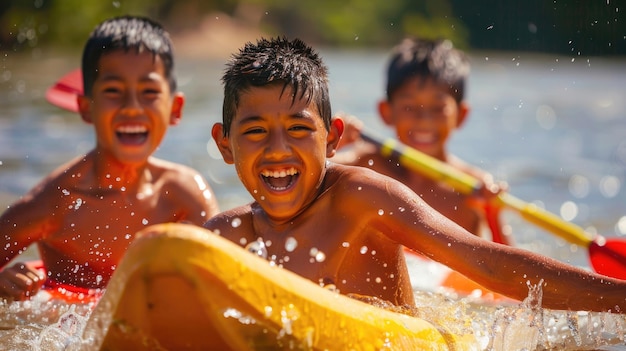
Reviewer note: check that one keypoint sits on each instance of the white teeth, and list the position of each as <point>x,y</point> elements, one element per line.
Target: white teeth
<point>131,129</point>
<point>279,174</point>
<point>423,137</point>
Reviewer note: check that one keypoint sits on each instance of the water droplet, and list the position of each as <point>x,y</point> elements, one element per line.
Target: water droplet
<point>381,212</point>
<point>144,221</point>
<point>578,186</point>
<point>620,227</point>
<point>610,186</point>
<point>236,222</point>
<point>290,244</point>
<point>569,210</point>
<point>345,244</point>
<point>258,248</point>
<point>363,249</point>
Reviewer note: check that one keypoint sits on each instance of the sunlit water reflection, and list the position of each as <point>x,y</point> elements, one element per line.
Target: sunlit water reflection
<point>552,127</point>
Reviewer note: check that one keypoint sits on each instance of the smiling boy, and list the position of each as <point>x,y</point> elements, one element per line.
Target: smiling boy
<point>84,214</point>
<point>346,225</point>
<point>425,104</point>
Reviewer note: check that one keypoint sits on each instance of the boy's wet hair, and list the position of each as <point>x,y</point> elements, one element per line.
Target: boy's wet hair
<point>292,64</point>
<point>437,60</point>
<point>126,33</point>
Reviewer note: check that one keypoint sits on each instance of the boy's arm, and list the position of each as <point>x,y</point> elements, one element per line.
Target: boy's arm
<point>22,224</point>
<point>411,222</point>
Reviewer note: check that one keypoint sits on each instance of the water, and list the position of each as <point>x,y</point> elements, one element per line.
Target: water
<point>551,126</point>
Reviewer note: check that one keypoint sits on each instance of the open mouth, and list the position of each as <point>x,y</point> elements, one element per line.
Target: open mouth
<point>132,134</point>
<point>423,137</point>
<point>280,180</point>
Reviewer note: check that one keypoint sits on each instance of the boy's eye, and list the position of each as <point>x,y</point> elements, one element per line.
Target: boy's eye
<point>299,127</point>
<point>255,130</point>
<point>111,90</point>
<point>151,91</point>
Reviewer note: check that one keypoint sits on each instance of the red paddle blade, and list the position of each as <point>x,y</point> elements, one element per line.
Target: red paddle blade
<point>63,93</point>
<point>609,257</point>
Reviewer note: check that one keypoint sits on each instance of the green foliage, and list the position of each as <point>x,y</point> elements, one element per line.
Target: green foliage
<point>567,26</point>
<point>61,22</point>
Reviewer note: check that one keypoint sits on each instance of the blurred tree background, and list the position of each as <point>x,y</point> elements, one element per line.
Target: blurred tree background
<point>572,27</point>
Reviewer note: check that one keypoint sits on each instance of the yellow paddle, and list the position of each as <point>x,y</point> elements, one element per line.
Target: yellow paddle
<point>608,256</point>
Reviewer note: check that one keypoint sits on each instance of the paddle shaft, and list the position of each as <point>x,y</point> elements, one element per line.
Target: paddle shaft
<point>467,184</point>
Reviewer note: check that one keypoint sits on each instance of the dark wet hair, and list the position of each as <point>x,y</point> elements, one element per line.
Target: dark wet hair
<point>126,33</point>
<point>292,64</point>
<point>428,59</point>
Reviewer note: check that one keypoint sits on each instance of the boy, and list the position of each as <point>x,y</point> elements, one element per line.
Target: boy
<point>425,104</point>
<point>345,225</point>
<point>85,213</point>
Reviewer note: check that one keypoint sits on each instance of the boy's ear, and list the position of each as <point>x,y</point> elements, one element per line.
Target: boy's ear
<point>464,110</point>
<point>334,136</point>
<point>177,108</point>
<point>384,111</point>
<point>217,132</point>
<point>84,108</point>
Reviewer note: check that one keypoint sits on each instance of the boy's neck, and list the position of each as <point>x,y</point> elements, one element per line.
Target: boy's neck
<point>115,175</point>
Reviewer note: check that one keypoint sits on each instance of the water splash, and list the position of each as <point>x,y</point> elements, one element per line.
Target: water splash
<point>52,325</point>
<point>258,248</point>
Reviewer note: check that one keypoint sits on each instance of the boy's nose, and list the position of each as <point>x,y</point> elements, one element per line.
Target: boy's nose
<point>131,106</point>
<point>277,146</point>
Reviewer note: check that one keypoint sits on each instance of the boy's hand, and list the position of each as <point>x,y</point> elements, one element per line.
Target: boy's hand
<point>490,189</point>
<point>486,201</point>
<point>20,282</point>
<point>352,129</point>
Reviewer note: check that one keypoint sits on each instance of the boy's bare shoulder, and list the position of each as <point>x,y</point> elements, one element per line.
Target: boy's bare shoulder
<point>176,174</point>
<point>238,219</point>
<point>368,155</point>
<point>69,175</point>
<point>362,178</point>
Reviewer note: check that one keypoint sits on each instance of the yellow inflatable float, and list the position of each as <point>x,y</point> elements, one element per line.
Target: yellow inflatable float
<point>181,287</point>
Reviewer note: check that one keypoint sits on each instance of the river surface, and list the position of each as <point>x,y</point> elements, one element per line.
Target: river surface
<point>553,127</point>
